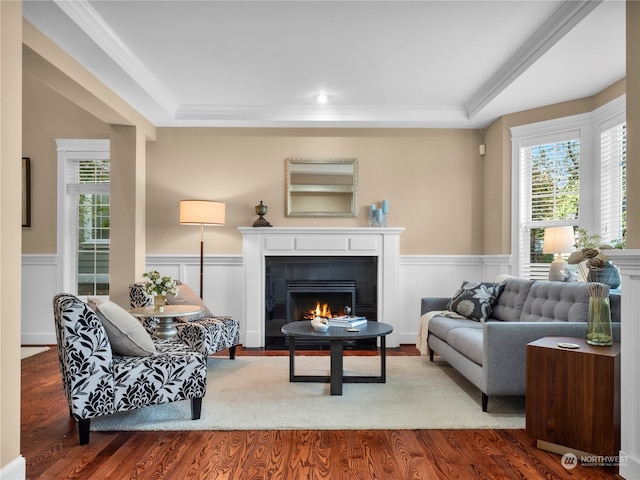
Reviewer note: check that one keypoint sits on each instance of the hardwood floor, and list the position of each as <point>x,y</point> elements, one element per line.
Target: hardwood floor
<point>49,442</point>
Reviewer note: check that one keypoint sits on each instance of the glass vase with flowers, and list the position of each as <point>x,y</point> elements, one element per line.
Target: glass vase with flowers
<point>599,273</point>
<point>159,287</point>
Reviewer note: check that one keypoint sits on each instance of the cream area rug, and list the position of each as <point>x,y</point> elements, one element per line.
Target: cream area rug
<point>254,393</point>
<point>26,352</point>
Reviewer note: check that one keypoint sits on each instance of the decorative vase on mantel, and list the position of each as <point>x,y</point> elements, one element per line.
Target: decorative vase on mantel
<point>599,317</point>
<point>159,301</point>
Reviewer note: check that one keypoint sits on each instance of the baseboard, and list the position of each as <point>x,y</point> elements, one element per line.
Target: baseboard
<point>38,339</point>
<point>408,338</point>
<point>15,470</point>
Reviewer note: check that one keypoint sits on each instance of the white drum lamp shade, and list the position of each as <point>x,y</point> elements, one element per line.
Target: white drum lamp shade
<point>559,240</point>
<point>202,212</point>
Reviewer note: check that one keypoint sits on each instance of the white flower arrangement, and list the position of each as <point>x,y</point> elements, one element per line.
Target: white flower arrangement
<point>158,285</point>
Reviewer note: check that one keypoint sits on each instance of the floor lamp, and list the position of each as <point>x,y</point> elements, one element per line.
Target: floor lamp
<point>202,212</point>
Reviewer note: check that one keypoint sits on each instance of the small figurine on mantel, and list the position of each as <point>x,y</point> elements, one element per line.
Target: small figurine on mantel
<point>261,210</point>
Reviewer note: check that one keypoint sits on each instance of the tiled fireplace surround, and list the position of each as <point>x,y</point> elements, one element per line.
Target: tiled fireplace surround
<point>260,243</point>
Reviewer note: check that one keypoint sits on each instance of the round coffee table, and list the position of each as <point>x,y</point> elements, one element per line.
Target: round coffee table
<point>337,336</point>
<point>166,328</point>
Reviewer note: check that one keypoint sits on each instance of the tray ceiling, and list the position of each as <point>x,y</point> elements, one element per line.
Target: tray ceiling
<point>459,64</point>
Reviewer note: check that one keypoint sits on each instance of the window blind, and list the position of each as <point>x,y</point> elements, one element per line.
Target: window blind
<point>88,176</point>
<point>613,182</point>
<point>549,196</point>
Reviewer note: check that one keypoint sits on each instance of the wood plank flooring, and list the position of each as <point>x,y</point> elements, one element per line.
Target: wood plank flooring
<point>49,443</point>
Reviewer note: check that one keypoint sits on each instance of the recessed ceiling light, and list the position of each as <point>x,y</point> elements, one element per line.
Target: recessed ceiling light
<point>322,98</point>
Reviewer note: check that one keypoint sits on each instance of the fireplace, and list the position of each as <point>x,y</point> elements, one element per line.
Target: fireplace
<point>297,286</point>
<point>265,299</point>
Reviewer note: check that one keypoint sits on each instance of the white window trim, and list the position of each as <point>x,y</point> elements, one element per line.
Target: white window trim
<point>68,150</point>
<point>589,125</point>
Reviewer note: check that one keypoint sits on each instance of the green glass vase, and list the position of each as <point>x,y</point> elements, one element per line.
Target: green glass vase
<point>599,321</point>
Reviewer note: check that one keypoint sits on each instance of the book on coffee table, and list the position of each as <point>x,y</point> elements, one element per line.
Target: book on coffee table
<point>347,321</point>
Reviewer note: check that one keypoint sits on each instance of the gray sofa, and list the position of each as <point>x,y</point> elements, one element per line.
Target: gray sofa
<point>491,354</point>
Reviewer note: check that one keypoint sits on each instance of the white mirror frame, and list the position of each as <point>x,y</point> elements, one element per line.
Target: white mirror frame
<point>329,197</point>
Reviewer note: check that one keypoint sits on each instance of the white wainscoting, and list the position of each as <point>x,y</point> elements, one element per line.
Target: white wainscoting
<point>40,282</point>
<point>629,263</point>
<point>419,276</point>
<point>439,276</point>
<point>222,284</point>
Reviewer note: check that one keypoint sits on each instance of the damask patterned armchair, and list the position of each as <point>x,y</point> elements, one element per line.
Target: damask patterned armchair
<point>99,382</point>
<point>206,333</point>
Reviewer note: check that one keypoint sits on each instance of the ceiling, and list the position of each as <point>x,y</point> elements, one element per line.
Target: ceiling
<point>436,64</point>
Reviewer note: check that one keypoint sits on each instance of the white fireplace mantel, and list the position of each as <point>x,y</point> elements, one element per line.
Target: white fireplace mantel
<point>261,242</point>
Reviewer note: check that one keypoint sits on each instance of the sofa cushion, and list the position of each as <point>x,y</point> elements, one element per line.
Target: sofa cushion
<point>556,302</point>
<point>508,306</point>
<point>468,342</point>
<point>475,299</point>
<point>186,296</point>
<point>440,325</point>
<point>126,334</point>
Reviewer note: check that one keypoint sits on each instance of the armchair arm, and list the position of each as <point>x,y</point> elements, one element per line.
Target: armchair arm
<point>430,304</point>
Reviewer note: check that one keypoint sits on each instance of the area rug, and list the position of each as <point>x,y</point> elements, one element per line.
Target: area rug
<point>254,393</point>
<point>26,352</point>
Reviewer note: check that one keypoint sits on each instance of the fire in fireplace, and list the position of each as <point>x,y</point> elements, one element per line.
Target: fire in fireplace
<point>307,299</point>
<point>323,310</point>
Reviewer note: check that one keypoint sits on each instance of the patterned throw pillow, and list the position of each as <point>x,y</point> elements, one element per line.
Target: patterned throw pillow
<point>126,334</point>
<point>475,299</point>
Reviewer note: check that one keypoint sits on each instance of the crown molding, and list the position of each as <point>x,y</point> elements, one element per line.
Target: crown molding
<point>259,115</point>
<point>570,14</point>
<point>96,28</point>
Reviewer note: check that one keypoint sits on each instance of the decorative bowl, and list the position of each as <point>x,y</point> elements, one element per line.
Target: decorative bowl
<point>320,326</point>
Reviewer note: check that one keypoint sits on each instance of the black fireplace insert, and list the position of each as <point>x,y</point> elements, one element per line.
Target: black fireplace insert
<point>300,288</point>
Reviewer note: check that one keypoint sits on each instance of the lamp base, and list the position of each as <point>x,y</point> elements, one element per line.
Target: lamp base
<point>559,270</point>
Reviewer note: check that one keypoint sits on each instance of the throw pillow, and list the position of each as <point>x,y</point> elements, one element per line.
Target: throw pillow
<point>186,296</point>
<point>126,335</point>
<point>475,299</point>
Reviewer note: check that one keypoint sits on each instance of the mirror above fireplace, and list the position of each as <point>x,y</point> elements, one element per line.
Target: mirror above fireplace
<point>321,187</point>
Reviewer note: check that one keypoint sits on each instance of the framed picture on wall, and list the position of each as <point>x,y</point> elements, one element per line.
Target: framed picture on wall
<point>26,192</point>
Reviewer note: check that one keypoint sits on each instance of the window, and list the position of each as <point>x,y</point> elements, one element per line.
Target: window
<point>550,192</point>
<point>83,220</point>
<point>568,171</point>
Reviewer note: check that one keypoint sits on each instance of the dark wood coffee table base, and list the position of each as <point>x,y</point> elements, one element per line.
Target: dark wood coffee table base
<point>336,337</point>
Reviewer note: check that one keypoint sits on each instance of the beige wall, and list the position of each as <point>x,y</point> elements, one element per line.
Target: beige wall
<point>418,171</point>
<point>432,179</point>
<point>449,198</point>
<point>497,161</point>
<point>47,116</point>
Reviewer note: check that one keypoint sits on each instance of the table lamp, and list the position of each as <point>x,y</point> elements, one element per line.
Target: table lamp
<point>559,240</point>
<point>202,212</point>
